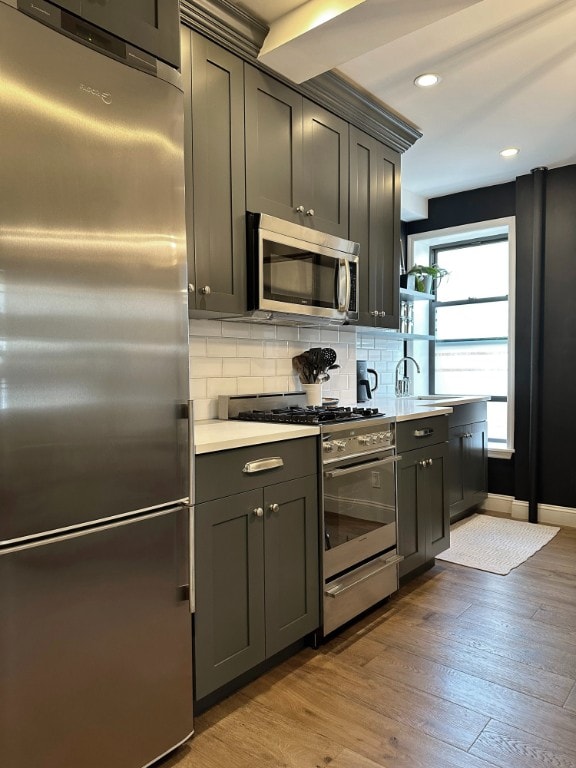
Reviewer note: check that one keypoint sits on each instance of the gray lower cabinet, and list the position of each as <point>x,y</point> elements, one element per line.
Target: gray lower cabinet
<point>468,458</point>
<point>213,81</point>
<point>375,224</point>
<point>256,560</point>
<point>423,516</point>
<point>296,157</point>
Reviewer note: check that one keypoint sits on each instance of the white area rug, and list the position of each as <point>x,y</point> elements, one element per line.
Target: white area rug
<point>495,544</point>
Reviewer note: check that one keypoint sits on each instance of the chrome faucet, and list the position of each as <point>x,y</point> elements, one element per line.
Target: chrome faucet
<point>402,386</point>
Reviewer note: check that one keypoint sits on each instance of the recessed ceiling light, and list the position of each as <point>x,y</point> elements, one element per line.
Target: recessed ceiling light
<point>509,152</point>
<point>427,80</point>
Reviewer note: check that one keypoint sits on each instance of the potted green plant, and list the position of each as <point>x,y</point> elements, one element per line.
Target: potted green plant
<point>424,275</point>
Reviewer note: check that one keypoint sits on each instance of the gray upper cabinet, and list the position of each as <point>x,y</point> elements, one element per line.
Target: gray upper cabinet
<point>375,224</point>
<point>296,157</point>
<point>152,26</point>
<point>215,174</point>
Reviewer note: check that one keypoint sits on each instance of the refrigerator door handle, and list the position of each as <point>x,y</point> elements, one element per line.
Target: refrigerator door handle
<point>190,504</point>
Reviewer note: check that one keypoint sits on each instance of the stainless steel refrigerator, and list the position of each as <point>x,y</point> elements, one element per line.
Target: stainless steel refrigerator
<point>95,625</point>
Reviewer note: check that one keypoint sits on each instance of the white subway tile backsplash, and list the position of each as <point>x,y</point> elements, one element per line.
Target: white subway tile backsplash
<point>221,347</point>
<point>277,384</point>
<point>205,367</point>
<point>276,348</point>
<point>262,331</point>
<point>204,327</point>
<point>197,388</point>
<point>216,387</point>
<point>248,385</point>
<point>263,367</point>
<point>236,329</point>
<point>247,358</point>
<point>287,332</point>
<point>236,366</point>
<point>310,334</point>
<point>197,346</point>
<point>329,336</point>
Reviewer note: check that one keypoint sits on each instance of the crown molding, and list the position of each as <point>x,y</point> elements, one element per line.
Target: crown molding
<point>243,34</point>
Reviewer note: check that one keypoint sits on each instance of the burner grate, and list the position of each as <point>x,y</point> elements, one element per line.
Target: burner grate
<point>309,414</point>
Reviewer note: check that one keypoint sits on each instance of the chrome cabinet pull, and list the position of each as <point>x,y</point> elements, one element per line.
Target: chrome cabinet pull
<point>206,291</point>
<point>274,507</point>
<point>300,209</point>
<point>423,432</point>
<point>258,511</point>
<point>310,212</point>
<point>261,465</point>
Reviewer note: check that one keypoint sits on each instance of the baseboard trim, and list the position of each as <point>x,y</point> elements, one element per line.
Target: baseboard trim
<point>518,510</point>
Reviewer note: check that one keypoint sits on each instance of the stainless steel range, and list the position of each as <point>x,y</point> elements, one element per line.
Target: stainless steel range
<point>358,490</point>
<point>359,517</point>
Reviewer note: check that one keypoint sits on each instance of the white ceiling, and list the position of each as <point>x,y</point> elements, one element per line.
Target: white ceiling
<point>508,71</point>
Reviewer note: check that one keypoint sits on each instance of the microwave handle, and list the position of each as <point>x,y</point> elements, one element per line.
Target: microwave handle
<point>344,285</point>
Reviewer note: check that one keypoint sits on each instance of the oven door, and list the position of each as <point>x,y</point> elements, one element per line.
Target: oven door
<point>305,278</point>
<point>359,498</point>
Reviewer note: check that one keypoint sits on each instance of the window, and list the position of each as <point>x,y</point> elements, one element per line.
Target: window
<point>471,326</point>
<point>472,319</point>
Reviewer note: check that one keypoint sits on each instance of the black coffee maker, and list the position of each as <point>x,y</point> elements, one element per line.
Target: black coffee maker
<point>363,388</point>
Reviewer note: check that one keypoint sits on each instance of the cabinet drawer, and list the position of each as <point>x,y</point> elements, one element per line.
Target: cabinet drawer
<point>467,414</point>
<point>346,597</point>
<point>419,433</point>
<point>242,469</point>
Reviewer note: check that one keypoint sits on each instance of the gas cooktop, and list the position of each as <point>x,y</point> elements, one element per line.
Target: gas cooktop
<point>289,408</point>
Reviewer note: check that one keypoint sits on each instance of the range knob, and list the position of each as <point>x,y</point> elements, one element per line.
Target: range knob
<point>364,439</point>
<point>340,444</point>
<point>328,447</point>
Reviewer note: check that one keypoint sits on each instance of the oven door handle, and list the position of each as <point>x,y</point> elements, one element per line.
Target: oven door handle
<point>338,589</point>
<point>359,467</point>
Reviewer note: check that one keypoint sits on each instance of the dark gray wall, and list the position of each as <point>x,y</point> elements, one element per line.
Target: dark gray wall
<point>557,373</point>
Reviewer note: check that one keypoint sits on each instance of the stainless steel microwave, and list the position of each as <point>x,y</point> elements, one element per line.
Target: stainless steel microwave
<point>299,275</point>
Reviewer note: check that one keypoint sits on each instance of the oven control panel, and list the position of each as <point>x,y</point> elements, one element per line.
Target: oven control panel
<point>356,442</point>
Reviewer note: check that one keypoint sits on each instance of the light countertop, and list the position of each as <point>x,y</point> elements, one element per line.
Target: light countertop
<point>408,408</point>
<point>221,435</point>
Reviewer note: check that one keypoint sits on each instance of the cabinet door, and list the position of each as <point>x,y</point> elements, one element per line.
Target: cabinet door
<point>411,523</point>
<point>229,634</point>
<point>455,485</point>
<point>475,464</point>
<point>274,172</point>
<point>325,142</point>
<point>152,26</point>
<point>214,155</point>
<point>375,224</point>
<point>423,518</point>
<point>291,562</point>
<point>433,500</point>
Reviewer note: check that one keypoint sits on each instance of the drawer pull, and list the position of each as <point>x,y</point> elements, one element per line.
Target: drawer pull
<point>339,589</point>
<point>423,432</point>
<point>262,465</point>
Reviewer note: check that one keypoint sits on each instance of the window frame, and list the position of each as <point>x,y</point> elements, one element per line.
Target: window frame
<point>421,249</point>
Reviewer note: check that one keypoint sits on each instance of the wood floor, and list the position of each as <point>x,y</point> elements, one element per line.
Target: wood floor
<point>461,669</point>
